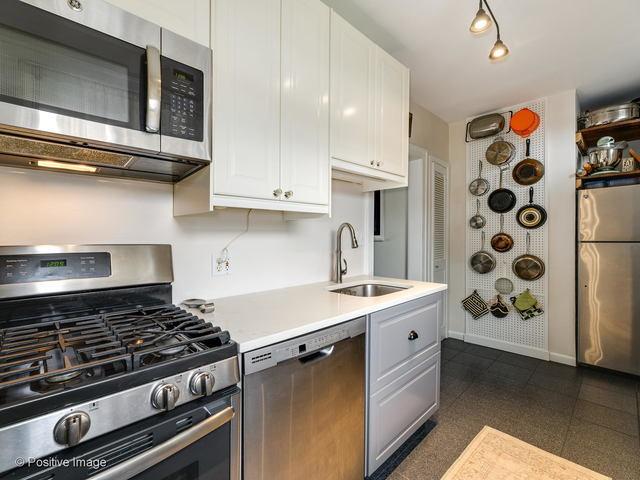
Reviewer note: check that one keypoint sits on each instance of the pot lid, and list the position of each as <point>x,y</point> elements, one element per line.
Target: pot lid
<point>615,146</point>
<point>499,152</point>
<point>612,108</point>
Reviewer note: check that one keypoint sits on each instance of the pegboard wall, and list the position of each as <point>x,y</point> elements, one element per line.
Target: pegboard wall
<point>522,334</point>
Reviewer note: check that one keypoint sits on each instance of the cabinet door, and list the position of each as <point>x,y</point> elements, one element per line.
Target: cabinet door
<point>246,146</point>
<point>392,114</point>
<point>304,147</point>
<point>189,18</point>
<point>400,408</point>
<point>352,94</point>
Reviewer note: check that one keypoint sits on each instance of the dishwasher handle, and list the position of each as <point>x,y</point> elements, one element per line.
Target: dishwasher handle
<point>317,356</point>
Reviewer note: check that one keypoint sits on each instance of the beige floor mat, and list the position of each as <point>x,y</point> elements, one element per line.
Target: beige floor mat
<point>493,455</point>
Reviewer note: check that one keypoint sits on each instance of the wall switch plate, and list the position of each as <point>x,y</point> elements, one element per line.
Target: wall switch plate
<point>220,266</point>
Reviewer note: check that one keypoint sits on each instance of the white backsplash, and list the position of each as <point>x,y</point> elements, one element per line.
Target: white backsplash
<point>59,208</point>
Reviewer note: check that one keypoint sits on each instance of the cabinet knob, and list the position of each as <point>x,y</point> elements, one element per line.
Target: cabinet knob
<point>378,164</point>
<point>413,335</point>
<point>288,194</point>
<point>372,162</point>
<point>277,192</point>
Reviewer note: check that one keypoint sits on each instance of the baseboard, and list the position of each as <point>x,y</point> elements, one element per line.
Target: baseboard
<point>456,335</point>
<point>507,346</point>
<point>560,358</point>
<point>514,348</point>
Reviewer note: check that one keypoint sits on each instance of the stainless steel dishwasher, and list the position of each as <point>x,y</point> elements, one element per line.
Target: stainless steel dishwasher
<point>304,407</point>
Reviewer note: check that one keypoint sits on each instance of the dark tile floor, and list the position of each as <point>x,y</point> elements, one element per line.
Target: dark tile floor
<point>586,416</point>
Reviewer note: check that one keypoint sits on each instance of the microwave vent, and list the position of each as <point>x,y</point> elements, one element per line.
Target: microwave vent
<point>26,147</point>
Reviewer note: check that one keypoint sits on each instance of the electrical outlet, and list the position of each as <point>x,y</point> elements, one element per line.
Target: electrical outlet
<point>221,266</point>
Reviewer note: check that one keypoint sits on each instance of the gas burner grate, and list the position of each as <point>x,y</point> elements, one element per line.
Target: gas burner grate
<point>64,352</point>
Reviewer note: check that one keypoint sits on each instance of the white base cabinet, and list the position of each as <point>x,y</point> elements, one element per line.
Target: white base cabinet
<point>403,387</point>
<point>271,110</point>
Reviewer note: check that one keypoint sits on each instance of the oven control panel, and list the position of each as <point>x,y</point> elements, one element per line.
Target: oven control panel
<point>182,101</point>
<point>44,267</point>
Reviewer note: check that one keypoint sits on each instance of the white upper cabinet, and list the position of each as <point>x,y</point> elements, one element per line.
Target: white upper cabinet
<point>352,93</point>
<point>271,109</point>
<point>246,134</point>
<point>189,18</point>
<point>392,114</point>
<point>304,133</point>
<point>369,109</point>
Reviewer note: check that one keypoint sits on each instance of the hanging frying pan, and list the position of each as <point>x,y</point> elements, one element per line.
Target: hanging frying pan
<point>500,152</point>
<point>531,215</point>
<point>527,266</point>
<point>529,170</point>
<point>479,186</point>
<point>482,261</point>
<point>501,242</point>
<point>477,221</point>
<point>502,200</point>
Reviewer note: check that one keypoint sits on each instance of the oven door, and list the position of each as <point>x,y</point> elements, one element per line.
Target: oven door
<point>80,71</point>
<point>197,441</point>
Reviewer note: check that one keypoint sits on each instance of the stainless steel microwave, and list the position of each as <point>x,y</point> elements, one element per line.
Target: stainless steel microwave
<point>89,88</point>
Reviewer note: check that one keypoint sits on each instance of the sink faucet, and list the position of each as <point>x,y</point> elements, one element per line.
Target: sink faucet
<point>340,271</point>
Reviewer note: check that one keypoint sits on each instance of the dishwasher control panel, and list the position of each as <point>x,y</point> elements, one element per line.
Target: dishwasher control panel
<point>300,347</point>
<point>314,344</point>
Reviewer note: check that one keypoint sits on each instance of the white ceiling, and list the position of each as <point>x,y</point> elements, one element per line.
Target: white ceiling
<point>590,45</point>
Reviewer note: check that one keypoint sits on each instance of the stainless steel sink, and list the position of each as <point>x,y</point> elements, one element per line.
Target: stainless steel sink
<point>369,290</point>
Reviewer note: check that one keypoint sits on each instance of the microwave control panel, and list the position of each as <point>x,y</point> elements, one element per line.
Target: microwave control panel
<point>53,266</point>
<point>182,101</point>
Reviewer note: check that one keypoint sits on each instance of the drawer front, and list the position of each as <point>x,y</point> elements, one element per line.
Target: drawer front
<point>401,337</point>
<point>399,409</point>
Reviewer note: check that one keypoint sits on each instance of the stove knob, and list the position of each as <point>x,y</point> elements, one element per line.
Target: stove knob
<point>165,396</point>
<point>202,383</point>
<point>71,428</point>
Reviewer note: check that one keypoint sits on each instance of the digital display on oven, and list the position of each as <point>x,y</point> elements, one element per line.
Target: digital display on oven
<point>184,76</point>
<point>53,263</point>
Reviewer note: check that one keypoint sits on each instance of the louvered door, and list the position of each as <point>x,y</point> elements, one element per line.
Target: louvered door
<point>439,221</point>
<point>439,228</point>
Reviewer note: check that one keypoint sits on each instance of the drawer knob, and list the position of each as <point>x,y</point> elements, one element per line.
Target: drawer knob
<point>413,335</point>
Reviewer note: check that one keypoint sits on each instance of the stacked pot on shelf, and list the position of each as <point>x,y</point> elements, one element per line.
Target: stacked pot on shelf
<point>502,201</point>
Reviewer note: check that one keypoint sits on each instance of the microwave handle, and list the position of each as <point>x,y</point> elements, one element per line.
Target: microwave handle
<point>144,461</point>
<point>154,90</point>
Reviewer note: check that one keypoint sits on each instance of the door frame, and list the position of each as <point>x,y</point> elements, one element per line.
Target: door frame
<point>420,213</point>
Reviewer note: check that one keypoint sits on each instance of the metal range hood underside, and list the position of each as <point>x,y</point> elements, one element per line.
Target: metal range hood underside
<point>17,151</point>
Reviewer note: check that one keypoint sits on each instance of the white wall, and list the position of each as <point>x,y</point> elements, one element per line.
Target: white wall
<point>390,255</point>
<point>429,132</point>
<point>457,227</point>
<point>560,165</point>
<point>560,168</point>
<point>61,208</point>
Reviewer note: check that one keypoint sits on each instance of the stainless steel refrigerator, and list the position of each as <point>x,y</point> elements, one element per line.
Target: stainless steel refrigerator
<point>609,278</point>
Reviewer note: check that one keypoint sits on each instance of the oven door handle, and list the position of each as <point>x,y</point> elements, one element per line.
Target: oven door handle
<point>154,89</point>
<point>144,461</point>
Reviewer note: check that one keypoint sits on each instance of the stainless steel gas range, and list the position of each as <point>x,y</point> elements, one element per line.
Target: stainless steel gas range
<point>102,377</point>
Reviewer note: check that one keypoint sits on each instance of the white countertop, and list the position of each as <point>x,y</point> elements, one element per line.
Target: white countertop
<point>260,319</point>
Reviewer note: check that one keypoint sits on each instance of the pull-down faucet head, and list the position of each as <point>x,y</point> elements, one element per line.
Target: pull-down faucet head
<point>340,269</point>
